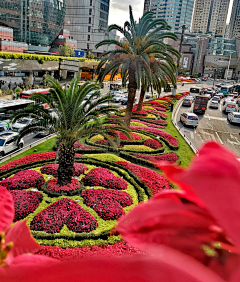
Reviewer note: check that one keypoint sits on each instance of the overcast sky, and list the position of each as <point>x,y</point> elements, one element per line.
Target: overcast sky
<point>119,11</point>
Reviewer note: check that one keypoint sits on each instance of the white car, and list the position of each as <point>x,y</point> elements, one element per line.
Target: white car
<point>235,94</point>
<point>189,119</point>
<point>8,143</point>
<point>229,106</point>
<point>20,124</point>
<point>118,98</point>
<point>214,104</point>
<point>234,117</point>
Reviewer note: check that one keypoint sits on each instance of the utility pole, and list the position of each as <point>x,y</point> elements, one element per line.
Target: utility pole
<point>184,27</point>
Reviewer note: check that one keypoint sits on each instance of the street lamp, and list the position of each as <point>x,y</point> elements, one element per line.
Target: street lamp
<point>93,72</point>
<point>184,27</point>
<point>226,78</point>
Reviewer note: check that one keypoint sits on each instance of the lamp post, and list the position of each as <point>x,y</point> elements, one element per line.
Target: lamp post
<point>184,27</point>
<point>226,78</point>
<point>93,72</point>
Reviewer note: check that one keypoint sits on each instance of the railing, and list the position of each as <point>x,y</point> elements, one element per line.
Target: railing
<point>25,148</point>
<point>174,116</point>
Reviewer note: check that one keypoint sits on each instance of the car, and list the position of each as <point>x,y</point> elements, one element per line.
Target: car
<point>124,100</point>
<point>89,95</point>
<point>220,95</point>
<point>216,98</point>
<point>230,97</point>
<point>115,93</point>
<point>20,124</point>
<point>189,119</point>
<point>234,117</point>
<point>211,93</point>
<point>118,98</point>
<point>229,106</point>
<point>101,106</point>
<point>9,142</point>
<point>209,96</point>
<point>238,101</point>
<point>214,104</point>
<point>235,94</point>
<point>187,102</point>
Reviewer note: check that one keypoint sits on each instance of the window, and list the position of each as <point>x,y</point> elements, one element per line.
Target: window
<point>89,29</point>
<point>90,11</point>
<point>88,37</point>
<point>89,20</point>
<point>90,2</point>
<point>10,141</point>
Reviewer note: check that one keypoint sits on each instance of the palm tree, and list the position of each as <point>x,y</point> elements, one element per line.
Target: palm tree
<point>75,117</point>
<point>141,54</point>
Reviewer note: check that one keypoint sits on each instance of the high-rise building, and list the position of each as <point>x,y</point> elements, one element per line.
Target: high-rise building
<point>235,20</point>
<point>210,16</point>
<point>175,12</point>
<point>87,21</point>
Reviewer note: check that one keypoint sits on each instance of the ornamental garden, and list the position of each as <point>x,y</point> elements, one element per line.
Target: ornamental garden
<point>78,219</point>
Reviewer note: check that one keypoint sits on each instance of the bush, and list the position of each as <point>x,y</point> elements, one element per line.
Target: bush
<point>96,138</point>
<point>52,186</point>
<point>144,123</point>
<point>137,148</point>
<point>51,169</point>
<point>64,212</point>
<point>151,143</point>
<point>8,91</point>
<point>36,86</point>
<point>170,157</point>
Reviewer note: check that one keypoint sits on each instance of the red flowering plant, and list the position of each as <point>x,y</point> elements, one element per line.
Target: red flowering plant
<point>149,123</point>
<point>157,112</point>
<point>152,143</point>
<point>25,202</point>
<point>51,169</point>
<point>160,109</point>
<point>200,222</point>
<point>169,157</point>
<point>52,186</point>
<point>108,204</point>
<point>157,104</point>
<point>78,145</point>
<point>64,212</point>
<point>105,178</point>
<point>23,180</point>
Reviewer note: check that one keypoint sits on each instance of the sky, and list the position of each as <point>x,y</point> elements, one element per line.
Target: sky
<point>119,10</point>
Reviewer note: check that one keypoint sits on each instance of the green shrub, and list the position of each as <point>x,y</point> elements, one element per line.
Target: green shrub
<point>8,91</point>
<point>137,148</point>
<point>148,108</point>
<point>134,123</point>
<point>96,138</point>
<point>36,86</point>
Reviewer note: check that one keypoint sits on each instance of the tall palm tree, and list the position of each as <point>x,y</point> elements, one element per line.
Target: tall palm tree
<point>141,53</point>
<point>75,117</point>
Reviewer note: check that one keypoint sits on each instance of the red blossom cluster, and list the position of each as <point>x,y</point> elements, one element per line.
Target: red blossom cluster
<point>160,109</point>
<point>54,187</point>
<point>103,142</point>
<point>139,112</point>
<point>152,143</point>
<point>29,159</point>
<point>155,181</point>
<point>25,202</point>
<point>124,137</point>
<point>157,112</point>
<point>118,249</point>
<point>64,212</point>
<point>150,124</point>
<point>23,180</point>
<point>164,99</point>
<point>107,204</point>
<point>158,132</point>
<point>51,169</point>
<point>170,157</point>
<point>105,178</point>
<point>78,145</point>
<point>163,122</point>
<point>153,103</point>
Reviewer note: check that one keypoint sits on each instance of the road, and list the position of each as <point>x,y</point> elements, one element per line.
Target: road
<point>212,126</point>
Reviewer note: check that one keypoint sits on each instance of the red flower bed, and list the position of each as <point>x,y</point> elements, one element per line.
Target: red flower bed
<point>124,137</point>
<point>156,182</point>
<point>78,145</point>
<point>158,132</point>
<point>157,104</point>
<point>107,204</point>
<point>118,249</point>
<point>159,113</point>
<point>163,122</point>
<point>148,123</point>
<point>105,178</point>
<point>151,143</point>
<point>25,202</point>
<point>64,212</point>
<point>54,187</point>
<point>139,112</point>
<point>51,169</point>
<point>23,180</point>
<point>170,157</point>
<point>160,109</point>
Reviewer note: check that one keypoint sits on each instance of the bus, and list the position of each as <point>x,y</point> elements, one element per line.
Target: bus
<point>226,89</point>
<point>196,90</point>
<point>9,107</point>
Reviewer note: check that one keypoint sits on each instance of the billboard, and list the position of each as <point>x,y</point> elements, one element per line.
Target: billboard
<point>185,63</point>
<point>228,74</point>
<point>79,53</point>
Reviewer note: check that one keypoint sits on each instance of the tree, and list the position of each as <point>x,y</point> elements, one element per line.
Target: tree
<point>142,55</point>
<point>74,117</point>
<point>66,50</point>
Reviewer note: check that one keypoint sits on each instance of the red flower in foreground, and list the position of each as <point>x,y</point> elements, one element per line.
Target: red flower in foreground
<point>201,221</point>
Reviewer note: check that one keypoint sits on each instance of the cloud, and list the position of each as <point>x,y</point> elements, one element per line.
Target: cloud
<point>119,10</point>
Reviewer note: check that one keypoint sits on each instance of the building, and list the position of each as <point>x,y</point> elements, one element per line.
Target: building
<point>235,20</point>
<point>175,12</point>
<point>210,16</point>
<point>63,38</point>
<point>34,22</point>
<point>87,22</point>
<point>146,6</point>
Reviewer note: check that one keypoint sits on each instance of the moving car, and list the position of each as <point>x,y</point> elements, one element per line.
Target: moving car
<point>230,97</point>
<point>235,94</point>
<point>229,106</point>
<point>214,104</point>
<point>189,119</point>
<point>234,117</point>
<point>20,124</point>
<point>187,101</point>
<point>209,96</point>
<point>9,142</point>
<point>200,104</point>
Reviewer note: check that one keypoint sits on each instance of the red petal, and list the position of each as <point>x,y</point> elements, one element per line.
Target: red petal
<point>214,176</point>
<point>6,209</point>
<point>23,241</point>
<point>170,266</point>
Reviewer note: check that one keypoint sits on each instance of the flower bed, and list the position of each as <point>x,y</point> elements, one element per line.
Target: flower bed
<point>107,204</point>
<point>155,121</point>
<point>144,123</point>
<point>51,169</point>
<point>124,137</point>
<point>64,212</point>
<point>157,104</point>
<point>138,148</point>
<point>170,157</point>
<point>25,202</point>
<point>152,143</point>
<point>78,145</point>
<point>155,181</point>
<point>23,180</point>
<point>105,178</point>
<point>160,109</point>
<point>159,113</point>
<point>52,186</point>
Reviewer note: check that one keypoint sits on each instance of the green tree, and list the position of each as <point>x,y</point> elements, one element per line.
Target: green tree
<point>142,55</point>
<point>74,117</point>
<point>66,50</point>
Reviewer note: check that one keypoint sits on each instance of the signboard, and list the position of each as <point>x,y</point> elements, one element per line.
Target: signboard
<point>79,53</point>
<point>185,63</point>
<point>228,74</point>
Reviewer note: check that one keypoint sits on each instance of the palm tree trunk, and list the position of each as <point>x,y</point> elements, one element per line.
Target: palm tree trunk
<point>66,165</point>
<point>132,87</point>
<point>140,102</point>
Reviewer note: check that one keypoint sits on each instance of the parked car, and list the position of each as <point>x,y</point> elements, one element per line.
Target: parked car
<point>20,124</point>
<point>115,93</point>
<point>189,119</point>
<point>101,106</point>
<point>118,98</point>
<point>187,102</point>
<point>234,117</point>
<point>124,100</point>
<point>9,142</point>
<point>229,106</point>
<point>214,104</point>
<point>3,128</point>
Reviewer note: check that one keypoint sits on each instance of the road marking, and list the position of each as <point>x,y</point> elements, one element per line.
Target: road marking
<point>233,143</point>
<point>220,107</point>
<point>217,118</point>
<point>220,140</point>
<point>209,125</point>
<point>192,135</point>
